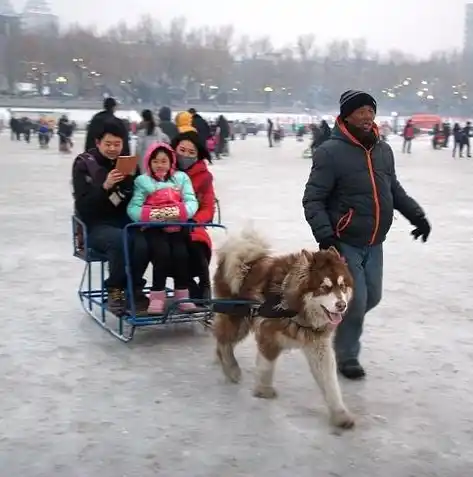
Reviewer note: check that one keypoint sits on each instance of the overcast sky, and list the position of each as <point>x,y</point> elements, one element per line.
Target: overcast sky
<point>418,26</point>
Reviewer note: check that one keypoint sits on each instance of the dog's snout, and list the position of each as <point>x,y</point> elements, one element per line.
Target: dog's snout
<point>341,305</point>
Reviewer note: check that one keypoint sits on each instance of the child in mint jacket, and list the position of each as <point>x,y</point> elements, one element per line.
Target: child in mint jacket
<point>164,194</point>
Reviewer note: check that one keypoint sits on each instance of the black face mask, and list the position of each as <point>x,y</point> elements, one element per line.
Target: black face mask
<point>185,162</point>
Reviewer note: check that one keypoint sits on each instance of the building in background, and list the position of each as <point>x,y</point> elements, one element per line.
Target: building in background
<point>468,33</point>
<point>38,17</point>
<point>9,29</point>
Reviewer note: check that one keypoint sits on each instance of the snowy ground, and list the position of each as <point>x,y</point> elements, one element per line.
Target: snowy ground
<point>77,403</point>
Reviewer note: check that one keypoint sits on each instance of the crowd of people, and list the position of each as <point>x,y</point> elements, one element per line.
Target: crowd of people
<point>44,128</point>
<point>442,135</point>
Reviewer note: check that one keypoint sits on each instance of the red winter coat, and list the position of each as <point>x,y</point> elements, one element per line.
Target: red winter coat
<point>202,182</point>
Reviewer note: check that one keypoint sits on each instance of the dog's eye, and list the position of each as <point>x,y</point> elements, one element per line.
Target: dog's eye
<point>343,288</point>
<point>325,288</point>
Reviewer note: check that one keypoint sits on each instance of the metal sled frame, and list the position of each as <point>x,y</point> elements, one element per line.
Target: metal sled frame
<point>94,300</point>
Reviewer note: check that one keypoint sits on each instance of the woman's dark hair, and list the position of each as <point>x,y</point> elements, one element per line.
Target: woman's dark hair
<point>147,116</point>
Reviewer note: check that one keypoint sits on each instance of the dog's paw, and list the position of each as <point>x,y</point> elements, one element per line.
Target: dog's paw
<point>265,392</point>
<point>343,419</point>
<point>233,373</point>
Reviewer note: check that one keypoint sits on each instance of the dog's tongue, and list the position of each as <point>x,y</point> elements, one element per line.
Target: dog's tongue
<point>335,318</point>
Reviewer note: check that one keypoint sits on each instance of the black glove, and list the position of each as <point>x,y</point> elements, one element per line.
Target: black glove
<point>328,242</point>
<point>422,229</point>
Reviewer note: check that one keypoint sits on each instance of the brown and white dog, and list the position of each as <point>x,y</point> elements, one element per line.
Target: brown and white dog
<point>316,285</point>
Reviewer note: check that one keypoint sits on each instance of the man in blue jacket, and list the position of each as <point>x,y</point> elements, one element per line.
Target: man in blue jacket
<point>349,202</point>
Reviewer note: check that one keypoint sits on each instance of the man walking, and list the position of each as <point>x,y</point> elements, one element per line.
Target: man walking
<point>349,202</point>
<point>96,126</point>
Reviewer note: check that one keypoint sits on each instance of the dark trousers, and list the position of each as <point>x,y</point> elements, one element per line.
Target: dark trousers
<point>199,261</point>
<point>457,146</point>
<point>169,252</point>
<point>407,145</point>
<point>465,144</point>
<point>107,239</point>
<point>366,267</point>
<point>43,138</point>
<point>221,146</point>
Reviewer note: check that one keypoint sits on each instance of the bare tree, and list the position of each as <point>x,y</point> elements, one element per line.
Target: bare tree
<point>150,55</point>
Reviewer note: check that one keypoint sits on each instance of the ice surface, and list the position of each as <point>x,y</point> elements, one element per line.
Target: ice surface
<point>75,402</point>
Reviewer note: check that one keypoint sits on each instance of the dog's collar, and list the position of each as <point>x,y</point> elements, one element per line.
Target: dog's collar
<point>300,322</point>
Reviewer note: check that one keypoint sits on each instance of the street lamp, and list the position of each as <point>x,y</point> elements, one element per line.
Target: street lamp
<point>268,91</point>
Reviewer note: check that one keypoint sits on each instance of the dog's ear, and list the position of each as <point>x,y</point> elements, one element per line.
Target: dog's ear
<point>306,257</point>
<point>334,251</point>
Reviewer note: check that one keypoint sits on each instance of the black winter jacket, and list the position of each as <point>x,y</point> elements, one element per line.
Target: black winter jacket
<point>92,202</point>
<point>166,124</point>
<point>96,125</point>
<point>203,128</point>
<point>352,193</point>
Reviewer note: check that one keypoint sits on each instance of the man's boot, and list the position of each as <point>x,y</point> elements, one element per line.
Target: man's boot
<point>351,369</point>
<point>116,302</point>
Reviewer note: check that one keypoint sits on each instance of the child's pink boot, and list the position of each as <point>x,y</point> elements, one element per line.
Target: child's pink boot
<point>184,295</point>
<point>157,302</point>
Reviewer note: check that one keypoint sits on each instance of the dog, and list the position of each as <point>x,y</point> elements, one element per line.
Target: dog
<point>315,289</point>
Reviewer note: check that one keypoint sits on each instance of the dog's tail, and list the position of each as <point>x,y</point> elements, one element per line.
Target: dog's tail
<point>236,254</point>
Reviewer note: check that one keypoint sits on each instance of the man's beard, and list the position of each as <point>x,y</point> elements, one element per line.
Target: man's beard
<point>367,138</point>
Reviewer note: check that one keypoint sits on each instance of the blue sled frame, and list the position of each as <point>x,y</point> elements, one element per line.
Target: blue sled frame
<point>94,300</point>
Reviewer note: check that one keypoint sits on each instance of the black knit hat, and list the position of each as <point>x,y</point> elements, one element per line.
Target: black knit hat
<point>193,137</point>
<point>351,100</point>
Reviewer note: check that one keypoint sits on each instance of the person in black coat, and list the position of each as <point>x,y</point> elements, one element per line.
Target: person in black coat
<point>166,124</point>
<point>349,203</point>
<point>466,131</point>
<point>201,125</point>
<point>321,134</point>
<point>457,140</point>
<point>101,196</point>
<point>96,126</point>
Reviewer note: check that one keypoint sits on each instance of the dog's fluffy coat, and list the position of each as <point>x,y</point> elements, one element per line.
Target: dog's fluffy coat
<point>316,285</point>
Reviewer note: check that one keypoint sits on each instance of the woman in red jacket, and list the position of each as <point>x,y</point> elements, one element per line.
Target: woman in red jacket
<point>191,157</point>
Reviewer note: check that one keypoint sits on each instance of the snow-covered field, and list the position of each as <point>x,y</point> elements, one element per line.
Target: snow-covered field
<point>77,403</point>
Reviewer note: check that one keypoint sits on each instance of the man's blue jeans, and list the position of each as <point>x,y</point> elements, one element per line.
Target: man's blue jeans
<point>366,267</point>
